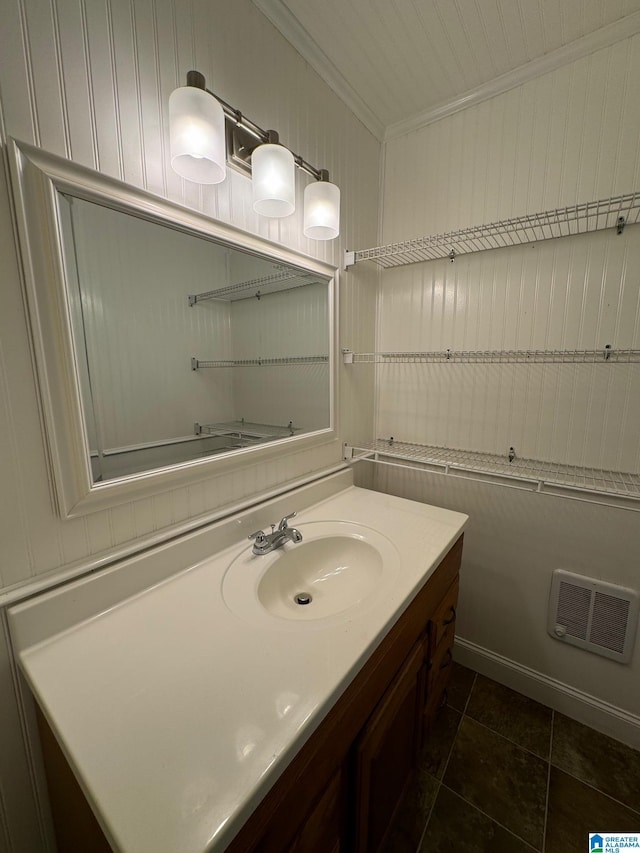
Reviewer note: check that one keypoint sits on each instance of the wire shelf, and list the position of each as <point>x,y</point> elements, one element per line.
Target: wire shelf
<point>246,431</point>
<point>258,287</point>
<point>591,484</point>
<point>613,212</point>
<point>601,356</point>
<point>197,364</point>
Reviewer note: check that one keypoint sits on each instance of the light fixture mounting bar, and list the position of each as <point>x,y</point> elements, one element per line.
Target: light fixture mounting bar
<point>195,78</point>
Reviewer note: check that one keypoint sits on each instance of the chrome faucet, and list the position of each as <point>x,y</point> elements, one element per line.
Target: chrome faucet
<point>265,542</point>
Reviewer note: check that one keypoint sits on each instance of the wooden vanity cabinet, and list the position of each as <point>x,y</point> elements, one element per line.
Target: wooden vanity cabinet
<point>441,637</point>
<point>324,827</point>
<point>386,753</point>
<point>341,791</point>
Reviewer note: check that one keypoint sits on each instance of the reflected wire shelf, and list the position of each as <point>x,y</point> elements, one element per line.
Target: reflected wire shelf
<point>257,287</point>
<point>613,212</point>
<point>246,431</point>
<point>611,488</point>
<point>197,364</point>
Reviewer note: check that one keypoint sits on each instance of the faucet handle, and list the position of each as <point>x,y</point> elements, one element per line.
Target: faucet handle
<point>283,522</point>
<point>259,536</point>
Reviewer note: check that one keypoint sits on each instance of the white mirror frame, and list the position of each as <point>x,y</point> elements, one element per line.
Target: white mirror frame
<point>37,178</point>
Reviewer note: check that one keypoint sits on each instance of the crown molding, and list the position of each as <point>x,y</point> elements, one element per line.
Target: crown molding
<point>604,37</point>
<point>293,31</point>
<point>285,21</point>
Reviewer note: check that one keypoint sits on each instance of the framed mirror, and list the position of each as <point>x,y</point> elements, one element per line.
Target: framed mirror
<point>168,346</point>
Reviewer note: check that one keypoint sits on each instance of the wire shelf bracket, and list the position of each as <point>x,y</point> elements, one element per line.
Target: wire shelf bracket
<point>616,212</point>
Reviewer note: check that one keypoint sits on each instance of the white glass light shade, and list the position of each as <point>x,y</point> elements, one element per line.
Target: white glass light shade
<point>274,180</point>
<point>321,211</point>
<point>196,131</point>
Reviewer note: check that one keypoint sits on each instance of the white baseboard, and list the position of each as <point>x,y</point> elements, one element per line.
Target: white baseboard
<point>602,716</point>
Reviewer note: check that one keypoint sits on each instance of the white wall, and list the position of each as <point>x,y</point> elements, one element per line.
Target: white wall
<point>576,293</point>
<point>140,332</point>
<point>569,136</point>
<point>286,324</point>
<point>91,81</point>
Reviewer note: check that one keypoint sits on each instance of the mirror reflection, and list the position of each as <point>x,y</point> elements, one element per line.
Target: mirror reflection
<point>186,347</point>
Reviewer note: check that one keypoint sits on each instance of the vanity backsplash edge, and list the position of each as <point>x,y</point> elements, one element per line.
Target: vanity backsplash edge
<point>40,617</point>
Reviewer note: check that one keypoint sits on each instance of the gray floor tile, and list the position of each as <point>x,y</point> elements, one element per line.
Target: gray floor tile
<point>436,752</point>
<point>503,780</point>
<point>494,786</point>
<point>575,810</point>
<point>514,716</point>
<point>597,759</point>
<point>455,825</point>
<point>412,816</point>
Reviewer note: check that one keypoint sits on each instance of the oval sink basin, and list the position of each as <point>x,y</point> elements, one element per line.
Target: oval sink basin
<point>336,567</point>
<point>320,577</point>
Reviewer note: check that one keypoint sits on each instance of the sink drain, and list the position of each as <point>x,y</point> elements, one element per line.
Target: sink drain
<point>302,598</point>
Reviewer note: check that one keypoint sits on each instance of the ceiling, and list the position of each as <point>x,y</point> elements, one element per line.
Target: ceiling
<point>402,63</point>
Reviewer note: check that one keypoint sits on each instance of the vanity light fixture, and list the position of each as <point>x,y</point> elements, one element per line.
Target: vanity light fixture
<point>273,178</point>
<point>197,133</point>
<point>206,133</point>
<point>322,209</point>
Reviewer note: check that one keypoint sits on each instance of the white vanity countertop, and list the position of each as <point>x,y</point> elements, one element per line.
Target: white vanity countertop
<point>178,715</point>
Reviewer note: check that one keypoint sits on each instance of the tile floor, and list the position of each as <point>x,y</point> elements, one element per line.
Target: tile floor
<point>503,773</point>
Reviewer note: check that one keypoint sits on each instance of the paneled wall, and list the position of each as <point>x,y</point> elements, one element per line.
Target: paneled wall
<point>90,80</point>
<point>292,323</point>
<point>575,293</point>
<point>140,332</point>
<point>567,137</point>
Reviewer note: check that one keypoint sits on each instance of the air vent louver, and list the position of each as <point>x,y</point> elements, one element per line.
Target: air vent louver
<point>574,603</point>
<point>609,623</point>
<point>596,616</point>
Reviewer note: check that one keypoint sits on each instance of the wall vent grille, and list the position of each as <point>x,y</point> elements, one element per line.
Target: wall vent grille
<point>596,616</point>
<point>610,620</point>
<point>573,609</point>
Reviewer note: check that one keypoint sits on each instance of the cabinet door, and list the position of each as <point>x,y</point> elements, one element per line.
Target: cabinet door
<point>386,753</point>
<point>442,623</point>
<point>323,830</point>
<point>441,638</point>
